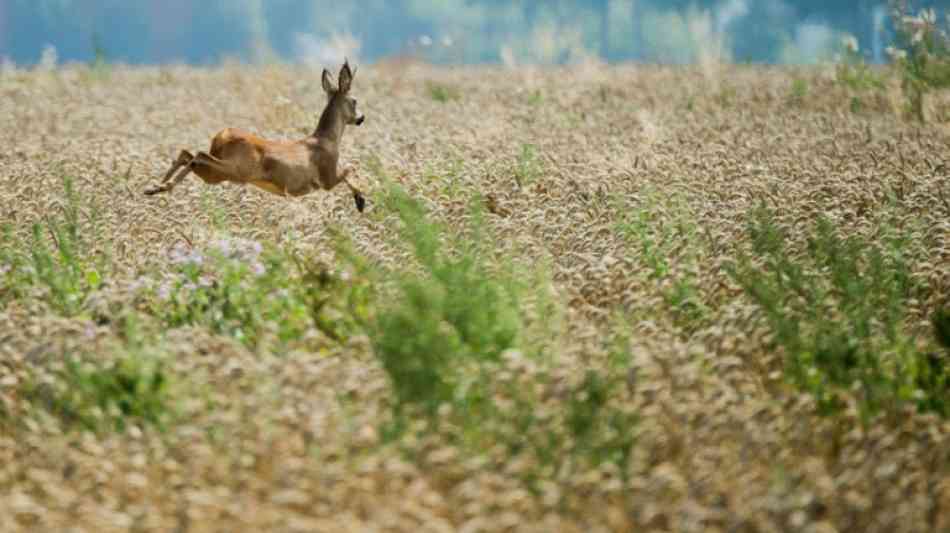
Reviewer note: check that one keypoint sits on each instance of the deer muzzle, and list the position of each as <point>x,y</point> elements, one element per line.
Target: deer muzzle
<point>360,119</point>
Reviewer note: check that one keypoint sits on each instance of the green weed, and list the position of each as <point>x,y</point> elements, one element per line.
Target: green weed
<point>239,289</point>
<point>99,69</point>
<point>535,97</point>
<point>600,432</point>
<point>667,241</point>
<point>443,93</point>
<point>856,105</point>
<point>854,72</point>
<point>100,62</point>
<point>96,395</point>
<point>442,335</point>
<point>528,165</point>
<point>66,260</point>
<point>12,265</point>
<point>941,326</point>
<point>922,55</point>
<point>454,312</point>
<point>799,91</point>
<point>588,428</point>
<point>726,97</point>
<point>450,178</point>
<point>837,310</point>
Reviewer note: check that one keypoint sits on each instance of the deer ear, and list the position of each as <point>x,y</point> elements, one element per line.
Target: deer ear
<point>346,77</point>
<point>327,82</point>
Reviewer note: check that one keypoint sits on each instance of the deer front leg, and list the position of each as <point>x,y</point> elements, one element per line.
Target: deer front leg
<point>357,194</point>
<point>184,159</point>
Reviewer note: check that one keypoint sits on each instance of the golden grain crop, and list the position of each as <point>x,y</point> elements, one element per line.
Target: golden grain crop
<point>293,444</point>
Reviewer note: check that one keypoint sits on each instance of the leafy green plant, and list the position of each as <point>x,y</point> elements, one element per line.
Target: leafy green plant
<point>442,334</point>
<point>665,235</point>
<point>456,311</point>
<point>237,288</point>
<point>535,97</point>
<point>528,166</point>
<point>726,96</point>
<point>601,432</point>
<point>12,276</point>
<point>922,54</point>
<point>97,395</point>
<point>799,91</point>
<point>60,268</point>
<point>856,105</point>
<point>448,175</point>
<point>837,310</point>
<point>99,68</point>
<point>212,206</point>
<point>100,62</point>
<point>853,71</point>
<point>589,427</point>
<point>642,227</point>
<point>941,325</point>
<point>442,93</point>
<point>66,259</point>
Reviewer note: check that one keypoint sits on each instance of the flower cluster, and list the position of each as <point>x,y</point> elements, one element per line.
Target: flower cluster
<point>237,248</point>
<point>918,28</point>
<point>896,54</point>
<point>199,268</point>
<point>180,255</point>
<point>242,250</point>
<point>850,44</point>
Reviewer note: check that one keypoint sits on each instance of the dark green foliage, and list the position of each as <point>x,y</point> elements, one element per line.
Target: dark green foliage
<point>941,324</point>
<point>443,93</point>
<point>666,238</point>
<point>799,91</point>
<point>837,310</point>
<point>925,62</point>
<point>99,68</point>
<point>856,74</point>
<point>240,290</point>
<point>107,396</point>
<point>528,167</point>
<point>440,336</point>
<point>600,431</point>
<point>65,260</point>
<point>536,97</point>
<point>454,312</point>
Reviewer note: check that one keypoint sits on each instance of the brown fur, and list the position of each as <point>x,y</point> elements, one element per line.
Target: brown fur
<point>286,168</point>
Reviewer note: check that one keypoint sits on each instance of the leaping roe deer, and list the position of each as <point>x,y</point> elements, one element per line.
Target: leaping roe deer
<point>286,168</point>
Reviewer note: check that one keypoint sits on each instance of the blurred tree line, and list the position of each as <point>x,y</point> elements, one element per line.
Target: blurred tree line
<point>541,31</point>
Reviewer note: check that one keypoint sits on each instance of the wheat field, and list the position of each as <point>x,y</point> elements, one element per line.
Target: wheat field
<point>645,390</point>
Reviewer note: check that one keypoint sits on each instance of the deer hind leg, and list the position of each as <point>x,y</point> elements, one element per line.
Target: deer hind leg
<point>213,170</point>
<point>184,159</point>
<point>209,168</point>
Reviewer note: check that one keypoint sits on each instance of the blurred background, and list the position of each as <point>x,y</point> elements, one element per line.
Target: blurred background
<point>442,31</point>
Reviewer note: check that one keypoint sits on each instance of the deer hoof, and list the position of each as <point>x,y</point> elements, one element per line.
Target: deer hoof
<point>360,201</point>
<point>153,190</point>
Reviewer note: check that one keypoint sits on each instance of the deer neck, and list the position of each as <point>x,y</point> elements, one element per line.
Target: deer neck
<point>331,125</point>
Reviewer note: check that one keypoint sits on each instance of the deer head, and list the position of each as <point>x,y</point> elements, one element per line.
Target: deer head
<point>340,102</point>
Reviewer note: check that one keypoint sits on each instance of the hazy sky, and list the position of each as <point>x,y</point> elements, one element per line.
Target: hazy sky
<point>527,31</point>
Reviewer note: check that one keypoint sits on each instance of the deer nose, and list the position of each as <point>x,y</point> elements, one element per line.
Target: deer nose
<point>360,119</point>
